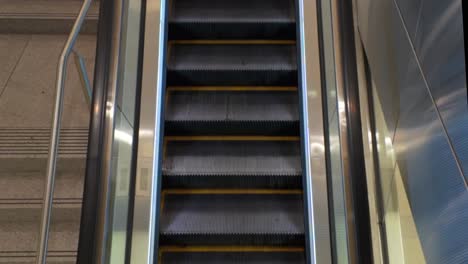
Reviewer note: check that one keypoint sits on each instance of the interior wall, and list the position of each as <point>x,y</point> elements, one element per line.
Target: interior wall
<point>415,50</point>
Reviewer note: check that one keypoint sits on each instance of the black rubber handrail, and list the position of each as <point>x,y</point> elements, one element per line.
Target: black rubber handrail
<point>86,244</point>
<point>355,143</point>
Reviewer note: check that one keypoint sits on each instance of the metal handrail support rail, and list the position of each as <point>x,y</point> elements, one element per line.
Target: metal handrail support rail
<point>83,74</point>
<point>55,132</point>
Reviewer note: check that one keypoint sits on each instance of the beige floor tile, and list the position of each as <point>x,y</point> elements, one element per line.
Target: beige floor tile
<point>28,97</point>
<point>30,185</point>
<point>23,236</point>
<point>44,7</point>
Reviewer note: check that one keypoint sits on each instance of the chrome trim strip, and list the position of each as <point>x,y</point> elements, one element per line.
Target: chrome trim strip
<point>315,175</point>
<point>147,200</point>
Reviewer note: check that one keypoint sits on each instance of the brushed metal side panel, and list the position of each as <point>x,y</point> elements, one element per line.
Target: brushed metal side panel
<point>410,10</point>
<point>376,24</point>
<point>434,183</point>
<point>440,49</point>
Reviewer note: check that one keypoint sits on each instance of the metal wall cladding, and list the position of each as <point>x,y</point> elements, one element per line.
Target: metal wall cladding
<point>416,55</point>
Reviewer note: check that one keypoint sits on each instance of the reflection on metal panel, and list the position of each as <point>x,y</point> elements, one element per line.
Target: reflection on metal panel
<point>420,84</point>
<point>410,11</point>
<point>440,49</point>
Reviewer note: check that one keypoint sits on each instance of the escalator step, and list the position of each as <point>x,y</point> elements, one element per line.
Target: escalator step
<point>241,19</point>
<point>233,181</point>
<point>232,30</point>
<point>232,219</point>
<point>233,258</point>
<point>233,112</point>
<point>232,106</point>
<point>232,11</point>
<point>229,64</point>
<point>227,127</point>
<point>232,157</point>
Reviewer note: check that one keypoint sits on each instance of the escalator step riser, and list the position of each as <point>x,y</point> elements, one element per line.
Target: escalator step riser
<point>232,11</point>
<point>232,158</point>
<point>233,258</point>
<point>231,128</point>
<point>244,182</point>
<point>232,219</point>
<point>232,106</point>
<point>231,77</point>
<point>248,30</point>
<point>249,56</point>
<point>233,239</point>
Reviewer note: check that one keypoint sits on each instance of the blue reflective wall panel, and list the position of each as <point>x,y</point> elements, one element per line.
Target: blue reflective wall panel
<point>416,56</point>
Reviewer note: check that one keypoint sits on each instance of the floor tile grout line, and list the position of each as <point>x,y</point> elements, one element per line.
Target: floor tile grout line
<point>16,66</point>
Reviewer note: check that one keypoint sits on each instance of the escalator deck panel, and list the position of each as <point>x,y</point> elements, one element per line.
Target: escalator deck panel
<point>234,258</point>
<point>232,158</point>
<point>236,218</point>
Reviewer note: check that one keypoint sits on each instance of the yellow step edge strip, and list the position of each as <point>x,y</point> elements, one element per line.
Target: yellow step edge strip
<point>232,138</point>
<point>177,249</point>
<point>233,42</point>
<point>230,191</point>
<point>232,88</point>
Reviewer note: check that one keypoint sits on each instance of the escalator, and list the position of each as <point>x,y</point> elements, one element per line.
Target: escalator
<point>223,132</point>
<point>231,169</point>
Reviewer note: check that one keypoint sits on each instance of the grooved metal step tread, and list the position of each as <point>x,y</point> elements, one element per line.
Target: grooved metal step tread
<point>233,258</point>
<point>232,158</point>
<point>229,64</point>
<point>232,219</point>
<point>247,106</point>
<point>233,181</point>
<point>240,11</point>
<point>232,57</point>
<point>44,16</point>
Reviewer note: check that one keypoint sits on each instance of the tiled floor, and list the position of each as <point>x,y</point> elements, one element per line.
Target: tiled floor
<point>28,65</point>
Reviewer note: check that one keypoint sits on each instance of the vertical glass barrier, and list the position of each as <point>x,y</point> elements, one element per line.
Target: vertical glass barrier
<point>335,111</point>
<point>123,147</point>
